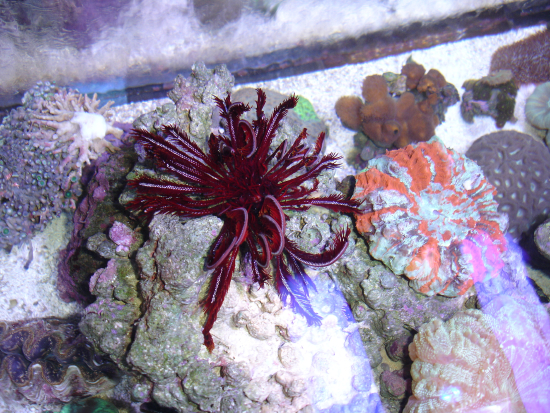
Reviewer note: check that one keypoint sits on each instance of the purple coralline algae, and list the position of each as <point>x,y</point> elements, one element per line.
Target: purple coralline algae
<point>96,212</point>
<point>108,321</point>
<point>431,215</point>
<point>43,145</point>
<point>266,355</point>
<point>50,360</point>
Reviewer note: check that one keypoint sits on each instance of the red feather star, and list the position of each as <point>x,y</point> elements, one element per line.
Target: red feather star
<point>249,187</point>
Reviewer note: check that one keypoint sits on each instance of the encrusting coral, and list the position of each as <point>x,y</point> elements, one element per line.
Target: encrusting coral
<point>49,360</point>
<point>44,144</point>
<point>528,59</point>
<point>398,121</point>
<point>430,214</point>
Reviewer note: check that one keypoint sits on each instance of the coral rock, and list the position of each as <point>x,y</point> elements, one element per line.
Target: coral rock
<point>542,239</point>
<point>493,95</point>
<point>431,216</point>
<point>193,108</point>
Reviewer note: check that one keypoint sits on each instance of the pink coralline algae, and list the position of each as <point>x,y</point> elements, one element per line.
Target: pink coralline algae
<point>431,216</point>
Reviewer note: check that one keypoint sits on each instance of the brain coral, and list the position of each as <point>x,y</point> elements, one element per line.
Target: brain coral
<point>519,167</point>
<point>459,366</point>
<point>431,216</point>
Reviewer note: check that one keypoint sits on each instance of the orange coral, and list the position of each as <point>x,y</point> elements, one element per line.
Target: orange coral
<point>432,217</point>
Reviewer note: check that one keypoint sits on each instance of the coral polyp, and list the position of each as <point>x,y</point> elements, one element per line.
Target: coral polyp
<point>77,124</point>
<point>249,185</point>
<point>431,216</point>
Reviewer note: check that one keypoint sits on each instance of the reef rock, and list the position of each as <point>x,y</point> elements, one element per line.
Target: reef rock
<point>493,95</point>
<point>265,354</point>
<point>542,239</point>
<point>194,110</point>
<point>96,213</point>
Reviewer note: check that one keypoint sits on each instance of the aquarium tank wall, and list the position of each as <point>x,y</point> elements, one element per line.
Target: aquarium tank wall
<point>274,206</point>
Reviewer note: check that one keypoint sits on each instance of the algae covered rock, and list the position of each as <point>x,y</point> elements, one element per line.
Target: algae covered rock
<point>302,116</point>
<point>193,106</point>
<point>93,405</point>
<point>108,321</point>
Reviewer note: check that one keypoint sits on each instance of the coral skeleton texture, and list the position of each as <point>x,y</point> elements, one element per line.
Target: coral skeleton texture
<point>430,214</point>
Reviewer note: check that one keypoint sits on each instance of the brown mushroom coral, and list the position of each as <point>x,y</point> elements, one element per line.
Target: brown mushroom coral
<point>347,109</point>
<point>417,121</point>
<point>379,113</point>
<point>414,72</point>
<point>396,122</point>
<point>431,82</point>
<point>375,88</point>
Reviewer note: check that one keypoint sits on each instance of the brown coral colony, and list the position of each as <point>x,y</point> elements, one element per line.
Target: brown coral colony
<point>395,122</point>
